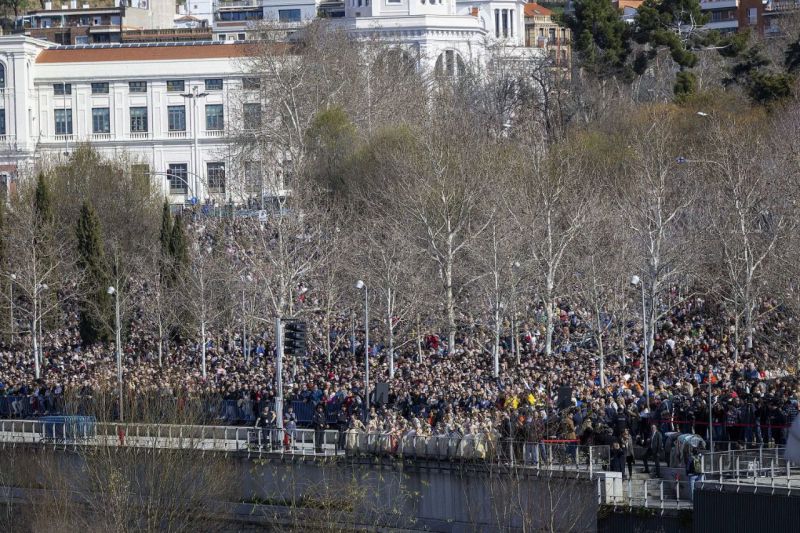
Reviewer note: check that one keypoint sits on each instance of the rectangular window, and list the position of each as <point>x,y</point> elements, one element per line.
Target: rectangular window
<point>177,175</point>
<point>176,118</point>
<point>100,87</point>
<point>251,83</point>
<point>216,177</point>
<point>752,16</point>
<point>137,86</point>
<point>101,121</point>
<point>288,15</point>
<point>214,84</point>
<point>252,116</point>
<point>252,177</point>
<point>138,120</point>
<point>175,86</point>
<point>63,121</point>
<point>62,89</point>
<point>2,121</point>
<point>215,118</point>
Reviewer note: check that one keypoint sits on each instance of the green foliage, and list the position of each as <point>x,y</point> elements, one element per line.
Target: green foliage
<point>178,249</point>
<point>43,203</point>
<point>166,230</point>
<point>766,88</point>
<point>792,56</point>
<point>330,139</point>
<point>685,84</point>
<point>95,309</point>
<point>732,44</point>
<point>128,211</point>
<point>763,82</point>
<point>659,24</point>
<point>602,36</point>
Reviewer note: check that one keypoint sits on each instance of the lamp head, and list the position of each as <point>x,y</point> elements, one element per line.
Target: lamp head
<point>111,290</point>
<point>635,280</point>
<point>360,284</point>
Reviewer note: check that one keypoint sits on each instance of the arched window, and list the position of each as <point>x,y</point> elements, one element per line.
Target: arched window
<point>450,65</point>
<point>2,76</point>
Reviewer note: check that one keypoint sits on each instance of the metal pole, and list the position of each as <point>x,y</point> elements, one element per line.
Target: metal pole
<point>11,301</point>
<point>279,373</point>
<point>245,351</point>
<point>119,354</point>
<point>646,353</point>
<point>710,418</point>
<point>366,352</point>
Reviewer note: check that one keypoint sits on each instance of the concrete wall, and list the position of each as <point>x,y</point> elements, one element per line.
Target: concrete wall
<point>308,493</point>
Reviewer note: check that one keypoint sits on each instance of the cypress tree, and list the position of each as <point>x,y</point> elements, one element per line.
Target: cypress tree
<point>177,249</point>
<point>166,230</point>
<point>96,307</point>
<point>42,201</point>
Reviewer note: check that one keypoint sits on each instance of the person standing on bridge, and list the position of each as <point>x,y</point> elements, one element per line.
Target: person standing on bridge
<point>319,422</point>
<point>266,422</point>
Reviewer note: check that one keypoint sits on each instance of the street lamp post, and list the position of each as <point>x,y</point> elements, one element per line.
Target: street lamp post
<point>112,291</point>
<point>193,95</point>
<point>635,280</point>
<point>361,285</point>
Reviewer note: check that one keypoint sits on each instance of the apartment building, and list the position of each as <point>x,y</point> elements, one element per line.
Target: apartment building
<point>542,32</point>
<point>166,105</point>
<point>93,21</point>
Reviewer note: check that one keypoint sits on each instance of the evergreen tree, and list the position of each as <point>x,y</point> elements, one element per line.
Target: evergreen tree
<point>178,251</point>
<point>96,307</point>
<point>166,230</point>
<point>42,201</point>
<point>602,36</point>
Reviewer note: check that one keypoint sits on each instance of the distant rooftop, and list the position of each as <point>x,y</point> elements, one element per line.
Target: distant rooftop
<point>90,53</point>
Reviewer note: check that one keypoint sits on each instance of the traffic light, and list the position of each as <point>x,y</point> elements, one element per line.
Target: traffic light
<point>294,338</point>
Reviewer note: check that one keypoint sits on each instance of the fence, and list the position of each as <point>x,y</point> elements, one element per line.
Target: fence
<point>80,431</point>
<point>753,465</point>
<point>26,406</point>
<point>649,493</point>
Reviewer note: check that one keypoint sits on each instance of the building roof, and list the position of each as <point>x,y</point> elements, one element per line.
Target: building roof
<point>533,9</point>
<point>144,52</point>
<point>622,4</point>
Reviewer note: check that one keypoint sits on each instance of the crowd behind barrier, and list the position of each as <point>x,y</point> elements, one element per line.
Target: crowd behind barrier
<point>436,389</point>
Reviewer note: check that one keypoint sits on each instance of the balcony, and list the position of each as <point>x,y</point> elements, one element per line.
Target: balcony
<point>223,4</point>
<point>214,133</point>
<point>139,135</point>
<point>176,135</point>
<point>101,136</point>
<point>708,5</point>
<point>64,138</point>
<point>776,6</point>
<point>7,142</point>
<point>722,25</point>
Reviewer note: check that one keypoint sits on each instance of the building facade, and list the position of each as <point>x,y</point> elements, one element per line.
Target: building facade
<point>542,32</point>
<point>85,23</point>
<point>165,106</point>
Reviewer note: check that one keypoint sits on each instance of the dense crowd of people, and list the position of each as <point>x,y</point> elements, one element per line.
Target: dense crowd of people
<point>444,390</point>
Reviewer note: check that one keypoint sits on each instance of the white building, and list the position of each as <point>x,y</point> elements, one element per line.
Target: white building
<point>166,105</point>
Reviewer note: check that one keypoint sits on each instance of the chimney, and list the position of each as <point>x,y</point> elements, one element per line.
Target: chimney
<point>48,5</point>
<point>474,11</point>
<point>73,4</point>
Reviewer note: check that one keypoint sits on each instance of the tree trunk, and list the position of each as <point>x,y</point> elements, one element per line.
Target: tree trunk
<point>390,330</point>
<point>451,310</point>
<point>496,366</point>
<point>203,349</point>
<point>419,341</point>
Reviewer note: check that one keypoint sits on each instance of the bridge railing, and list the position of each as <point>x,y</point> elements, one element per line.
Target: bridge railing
<point>482,447</point>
